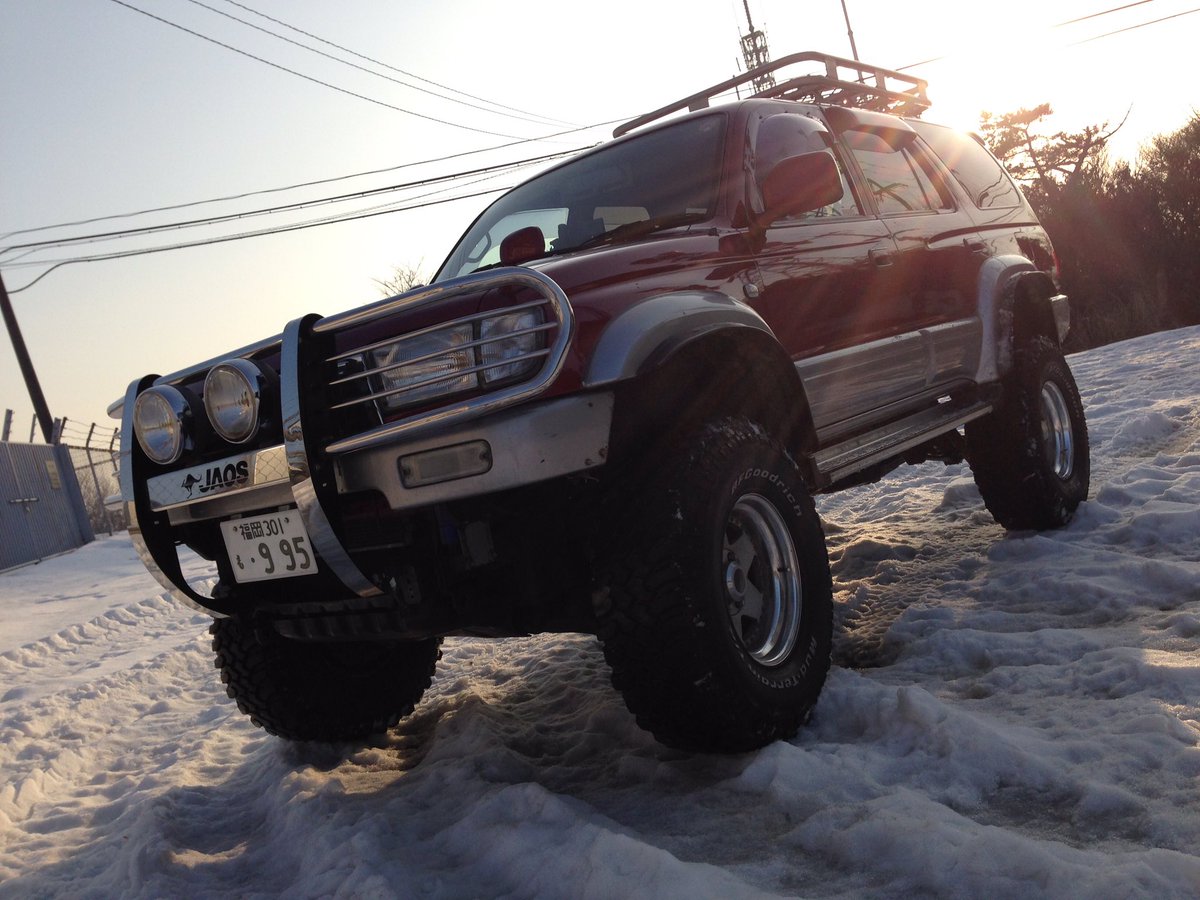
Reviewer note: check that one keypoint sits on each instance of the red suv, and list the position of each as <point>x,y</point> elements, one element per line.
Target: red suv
<point>610,410</point>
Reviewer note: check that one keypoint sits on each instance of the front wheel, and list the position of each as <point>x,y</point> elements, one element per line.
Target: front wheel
<point>715,604</point>
<point>1030,457</point>
<point>321,691</point>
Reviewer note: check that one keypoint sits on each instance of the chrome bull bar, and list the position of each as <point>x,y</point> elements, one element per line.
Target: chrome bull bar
<point>157,550</point>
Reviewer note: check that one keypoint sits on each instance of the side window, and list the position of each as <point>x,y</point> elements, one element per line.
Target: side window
<point>973,167</point>
<point>789,134</point>
<point>900,177</point>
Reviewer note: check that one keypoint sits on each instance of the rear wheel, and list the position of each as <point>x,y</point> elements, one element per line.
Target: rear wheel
<point>1030,457</point>
<point>316,691</point>
<point>716,604</point>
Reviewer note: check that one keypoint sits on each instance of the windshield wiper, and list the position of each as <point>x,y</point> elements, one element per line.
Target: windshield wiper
<point>631,231</point>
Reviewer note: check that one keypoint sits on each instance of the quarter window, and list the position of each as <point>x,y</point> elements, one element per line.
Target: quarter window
<point>984,180</point>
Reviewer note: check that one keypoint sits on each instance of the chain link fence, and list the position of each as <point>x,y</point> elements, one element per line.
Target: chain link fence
<point>52,496</point>
<point>96,472</point>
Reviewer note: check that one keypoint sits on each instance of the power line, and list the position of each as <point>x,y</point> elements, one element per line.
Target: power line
<point>538,121</point>
<point>305,204</point>
<point>260,233</point>
<point>56,264</point>
<point>310,78</point>
<point>386,65</point>
<point>394,206</point>
<point>1063,24</point>
<point>1135,27</point>
<point>305,184</point>
<point>1097,15</point>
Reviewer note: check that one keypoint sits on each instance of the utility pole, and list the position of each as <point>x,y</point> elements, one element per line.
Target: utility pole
<point>31,382</point>
<point>849,31</point>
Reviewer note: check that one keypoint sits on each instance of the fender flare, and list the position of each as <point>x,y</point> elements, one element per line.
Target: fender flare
<point>1006,282</point>
<point>653,328</point>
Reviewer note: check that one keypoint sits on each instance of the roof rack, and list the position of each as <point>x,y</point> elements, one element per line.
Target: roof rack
<point>845,82</point>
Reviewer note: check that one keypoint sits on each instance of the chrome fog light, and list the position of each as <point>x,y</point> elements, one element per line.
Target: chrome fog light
<point>232,394</point>
<point>161,417</point>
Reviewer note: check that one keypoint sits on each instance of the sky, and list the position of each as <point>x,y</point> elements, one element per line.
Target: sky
<point>108,111</point>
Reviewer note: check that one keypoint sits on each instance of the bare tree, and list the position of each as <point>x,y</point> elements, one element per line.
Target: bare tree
<point>404,278</point>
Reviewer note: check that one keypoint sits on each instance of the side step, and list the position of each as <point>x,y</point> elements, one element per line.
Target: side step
<point>838,461</point>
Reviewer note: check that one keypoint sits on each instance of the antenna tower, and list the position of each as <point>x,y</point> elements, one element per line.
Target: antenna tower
<point>756,53</point>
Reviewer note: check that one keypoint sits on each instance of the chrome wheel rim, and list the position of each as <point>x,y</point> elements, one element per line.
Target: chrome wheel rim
<point>761,579</point>
<point>1058,440</point>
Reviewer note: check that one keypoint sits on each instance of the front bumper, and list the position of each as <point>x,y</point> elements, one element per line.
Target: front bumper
<point>526,440</point>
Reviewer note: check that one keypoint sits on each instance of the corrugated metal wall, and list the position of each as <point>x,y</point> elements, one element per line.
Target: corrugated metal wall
<point>41,510</point>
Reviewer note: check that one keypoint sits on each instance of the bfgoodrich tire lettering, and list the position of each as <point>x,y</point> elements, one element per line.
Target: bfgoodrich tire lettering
<point>715,603</point>
<point>1030,457</point>
<point>311,691</point>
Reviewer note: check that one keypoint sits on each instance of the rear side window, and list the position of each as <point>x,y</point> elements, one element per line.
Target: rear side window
<point>984,180</point>
<point>899,176</point>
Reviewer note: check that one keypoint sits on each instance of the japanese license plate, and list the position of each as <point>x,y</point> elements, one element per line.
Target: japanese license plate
<point>274,545</point>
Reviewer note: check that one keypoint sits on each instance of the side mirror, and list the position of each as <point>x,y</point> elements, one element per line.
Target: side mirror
<point>800,184</point>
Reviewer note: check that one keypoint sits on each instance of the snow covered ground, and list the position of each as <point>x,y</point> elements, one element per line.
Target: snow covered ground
<point>1008,716</point>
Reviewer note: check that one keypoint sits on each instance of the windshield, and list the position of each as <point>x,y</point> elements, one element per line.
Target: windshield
<point>663,178</point>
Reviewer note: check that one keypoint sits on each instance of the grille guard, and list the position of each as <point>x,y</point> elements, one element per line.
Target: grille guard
<point>555,301</point>
<point>150,533</point>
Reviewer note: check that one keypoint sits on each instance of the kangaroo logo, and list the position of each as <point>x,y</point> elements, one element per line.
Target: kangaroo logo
<point>190,482</point>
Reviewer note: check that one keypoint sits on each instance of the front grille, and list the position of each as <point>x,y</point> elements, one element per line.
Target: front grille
<point>460,368</point>
<point>448,371</point>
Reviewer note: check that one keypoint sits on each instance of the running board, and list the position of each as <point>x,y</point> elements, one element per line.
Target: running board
<point>838,461</point>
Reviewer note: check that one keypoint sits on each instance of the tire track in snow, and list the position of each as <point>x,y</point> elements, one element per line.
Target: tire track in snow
<point>86,708</point>
<point>108,643</point>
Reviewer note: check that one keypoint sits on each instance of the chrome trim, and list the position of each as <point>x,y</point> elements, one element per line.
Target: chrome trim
<point>430,329</point>
<point>129,497</point>
<point>180,409</point>
<point>244,353</point>
<point>451,376</point>
<point>264,497</point>
<point>445,290</point>
<point>845,383</point>
<point>256,385</point>
<point>465,410</point>
<point>320,531</point>
<point>265,468</point>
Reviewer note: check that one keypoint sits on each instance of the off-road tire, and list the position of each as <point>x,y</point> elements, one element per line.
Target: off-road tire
<point>1030,457</point>
<point>317,691</point>
<point>695,673</point>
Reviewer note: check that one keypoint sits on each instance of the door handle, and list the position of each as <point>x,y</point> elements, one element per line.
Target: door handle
<point>975,246</point>
<point>881,257</point>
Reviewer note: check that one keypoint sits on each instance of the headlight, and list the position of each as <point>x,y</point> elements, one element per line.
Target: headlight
<point>160,417</point>
<point>232,394</point>
<point>509,337</point>
<point>426,365</point>
<point>466,356</point>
